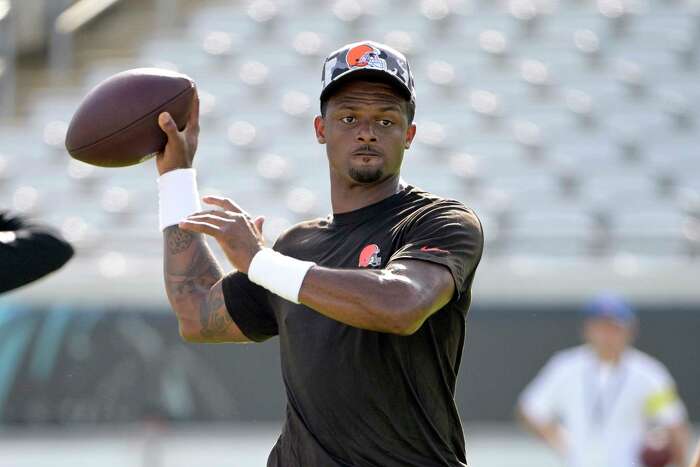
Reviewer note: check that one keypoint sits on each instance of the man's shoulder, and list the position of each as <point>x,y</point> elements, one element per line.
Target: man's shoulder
<point>300,231</point>
<point>428,198</point>
<point>570,357</point>
<point>646,365</point>
<point>431,204</point>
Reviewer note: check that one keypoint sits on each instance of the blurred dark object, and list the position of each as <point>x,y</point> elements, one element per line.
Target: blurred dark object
<point>656,451</point>
<point>28,251</point>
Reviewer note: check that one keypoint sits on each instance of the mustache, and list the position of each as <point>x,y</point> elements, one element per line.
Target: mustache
<point>366,149</point>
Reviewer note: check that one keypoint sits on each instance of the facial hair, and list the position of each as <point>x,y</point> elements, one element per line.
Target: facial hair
<point>366,176</point>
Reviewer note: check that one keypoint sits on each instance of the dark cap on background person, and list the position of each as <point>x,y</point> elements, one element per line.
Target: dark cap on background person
<point>367,60</point>
<point>610,306</point>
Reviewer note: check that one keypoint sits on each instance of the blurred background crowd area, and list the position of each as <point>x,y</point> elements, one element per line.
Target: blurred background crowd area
<point>570,126</point>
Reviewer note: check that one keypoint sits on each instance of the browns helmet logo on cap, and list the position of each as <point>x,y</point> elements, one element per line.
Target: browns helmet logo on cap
<point>369,256</point>
<point>365,55</point>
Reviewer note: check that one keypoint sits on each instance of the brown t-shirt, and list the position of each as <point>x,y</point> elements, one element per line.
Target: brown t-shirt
<point>358,397</point>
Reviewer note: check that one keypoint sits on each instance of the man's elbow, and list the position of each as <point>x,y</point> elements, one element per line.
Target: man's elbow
<point>405,325</point>
<point>406,317</point>
<point>410,304</point>
<point>190,332</point>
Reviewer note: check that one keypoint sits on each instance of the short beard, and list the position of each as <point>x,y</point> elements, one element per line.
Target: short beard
<point>366,176</point>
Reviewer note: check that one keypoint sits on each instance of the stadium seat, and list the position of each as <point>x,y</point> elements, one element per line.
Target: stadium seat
<point>309,45</point>
<point>529,136</point>
<point>617,13</point>
<point>117,202</point>
<point>586,109</point>
<point>297,105</point>
<point>488,106</point>
<point>527,13</point>
<point>302,203</point>
<point>639,232</point>
<point>622,196</point>
<point>27,199</point>
<point>242,135</point>
<point>676,106</point>
<point>220,47</point>
<point>402,41</point>
<point>540,232</point>
<point>442,75</point>
<point>588,44</point>
<point>86,177</point>
<point>496,45</point>
<point>274,169</point>
<point>582,106</point>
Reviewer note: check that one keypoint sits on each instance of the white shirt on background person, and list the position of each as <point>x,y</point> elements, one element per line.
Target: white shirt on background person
<point>605,409</point>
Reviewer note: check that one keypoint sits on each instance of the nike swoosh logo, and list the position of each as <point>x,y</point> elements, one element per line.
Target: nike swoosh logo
<point>427,249</point>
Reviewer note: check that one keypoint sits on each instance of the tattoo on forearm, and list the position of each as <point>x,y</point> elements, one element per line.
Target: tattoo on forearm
<point>189,264</point>
<point>178,240</point>
<point>190,273</point>
<point>213,315</point>
<point>197,274</point>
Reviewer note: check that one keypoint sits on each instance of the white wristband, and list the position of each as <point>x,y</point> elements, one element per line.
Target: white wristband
<point>280,274</point>
<point>178,196</point>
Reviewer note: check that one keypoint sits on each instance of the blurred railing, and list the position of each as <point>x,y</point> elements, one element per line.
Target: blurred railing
<point>7,60</point>
<point>70,20</point>
<point>72,16</point>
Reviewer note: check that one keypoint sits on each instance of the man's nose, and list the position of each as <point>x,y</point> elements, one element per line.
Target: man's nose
<point>365,133</point>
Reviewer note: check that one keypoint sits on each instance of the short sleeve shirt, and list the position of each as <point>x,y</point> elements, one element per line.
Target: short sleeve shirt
<point>608,417</point>
<point>359,397</point>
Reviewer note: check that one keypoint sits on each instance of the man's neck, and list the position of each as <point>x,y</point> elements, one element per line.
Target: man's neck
<point>610,358</point>
<point>350,197</point>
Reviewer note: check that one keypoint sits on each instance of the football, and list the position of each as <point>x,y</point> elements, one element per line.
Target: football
<point>656,451</point>
<point>116,124</point>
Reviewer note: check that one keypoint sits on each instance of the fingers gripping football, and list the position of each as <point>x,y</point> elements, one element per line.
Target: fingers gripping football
<point>239,236</point>
<point>182,145</point>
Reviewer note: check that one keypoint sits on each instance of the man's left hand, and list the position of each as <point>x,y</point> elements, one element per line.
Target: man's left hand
<point>238,235</point>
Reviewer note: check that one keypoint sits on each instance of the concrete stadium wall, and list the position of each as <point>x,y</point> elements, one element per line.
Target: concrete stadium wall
<point>507,346</point>
<point>87,365</point>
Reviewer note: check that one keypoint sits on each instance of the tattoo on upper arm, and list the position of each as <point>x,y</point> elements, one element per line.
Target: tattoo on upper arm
<point>213,316</point>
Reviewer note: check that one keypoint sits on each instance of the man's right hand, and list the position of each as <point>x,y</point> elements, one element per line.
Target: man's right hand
<point>181,146</point>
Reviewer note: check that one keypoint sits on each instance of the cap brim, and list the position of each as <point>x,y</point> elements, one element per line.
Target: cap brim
<point>368,74</point>
<point>621,320</point>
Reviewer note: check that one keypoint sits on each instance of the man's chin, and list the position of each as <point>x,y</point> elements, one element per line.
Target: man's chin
<point>366,175</point>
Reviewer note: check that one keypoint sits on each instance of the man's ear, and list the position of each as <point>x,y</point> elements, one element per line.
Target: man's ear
<point>320,126</point>
<point>410,134</point>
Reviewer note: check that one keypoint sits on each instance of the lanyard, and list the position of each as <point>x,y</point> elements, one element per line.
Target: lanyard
<point>602,400</point>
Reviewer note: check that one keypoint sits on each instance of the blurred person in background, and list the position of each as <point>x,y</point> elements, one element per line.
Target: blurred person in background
<point>595,404</point>
<point>28,251</point>
<point>369,303</point>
